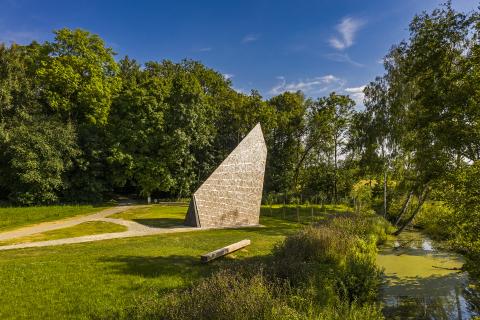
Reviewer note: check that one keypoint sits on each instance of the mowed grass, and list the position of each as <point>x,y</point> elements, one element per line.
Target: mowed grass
<point>15,217</point>
<point>82,229</point>
<point>155,216</point>
<point>87,280</point>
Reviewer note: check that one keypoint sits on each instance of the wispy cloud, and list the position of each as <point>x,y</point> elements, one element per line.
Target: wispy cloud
<point>316,85</point>
<point>204,49</point>
<point>250,38</point>
<point>347,29</point>
<point>343,57</point>
<point>356,93</point>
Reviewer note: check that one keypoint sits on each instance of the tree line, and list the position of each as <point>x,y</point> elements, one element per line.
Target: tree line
<point>78,125</point>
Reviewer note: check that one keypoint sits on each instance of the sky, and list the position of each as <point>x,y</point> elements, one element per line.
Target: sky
<point>271,46</point>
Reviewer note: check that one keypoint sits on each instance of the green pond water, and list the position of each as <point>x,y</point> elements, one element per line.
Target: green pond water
<point>422,281</point>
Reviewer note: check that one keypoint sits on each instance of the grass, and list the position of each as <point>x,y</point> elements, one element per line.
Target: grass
<point>79,281</point>
<point>15,217</point>
<point>82,229</point>
<point>155,216</point>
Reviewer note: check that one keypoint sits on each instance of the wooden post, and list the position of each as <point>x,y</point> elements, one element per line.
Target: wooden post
<point>224,251</point>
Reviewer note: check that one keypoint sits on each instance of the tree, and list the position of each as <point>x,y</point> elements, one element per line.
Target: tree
<point>333,121</point>
<point>35,157</point>
<point>424,92</point>
<point>79,76</point>
<point>285,141</point>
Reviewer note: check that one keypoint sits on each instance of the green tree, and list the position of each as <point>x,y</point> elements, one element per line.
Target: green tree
<point>285,140</point>
<point>79,76</point>
<point>428,98</point>
<point>35,157</point>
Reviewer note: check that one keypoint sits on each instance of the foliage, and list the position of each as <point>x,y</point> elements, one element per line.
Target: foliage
<point>79,76</point>
<point>463,198</point>
<point>225,295</point>
<point>362,194</point>
<point>328,260</point>
<point>437,220</point>
<point>35,158</point>
<point>421,117</point>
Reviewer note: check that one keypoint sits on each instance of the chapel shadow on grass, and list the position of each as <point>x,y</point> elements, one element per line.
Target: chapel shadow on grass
<point>151,266</point>
<point>161,222</point>
<point>184,266</point>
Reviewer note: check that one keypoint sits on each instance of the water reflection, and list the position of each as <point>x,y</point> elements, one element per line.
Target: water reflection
<point>422,281</point>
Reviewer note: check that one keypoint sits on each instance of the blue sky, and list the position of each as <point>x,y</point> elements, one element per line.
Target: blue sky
<point>272,46</point>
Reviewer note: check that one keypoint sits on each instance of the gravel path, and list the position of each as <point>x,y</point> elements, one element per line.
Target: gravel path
<point>60,224</point>
<point>134,230</point>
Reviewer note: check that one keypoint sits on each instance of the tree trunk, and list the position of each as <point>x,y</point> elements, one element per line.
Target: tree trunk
<point>421,200</point>
<point>404,207</point>
<point>385,194</point>
<point>335,174</point>
<point>299,165</point>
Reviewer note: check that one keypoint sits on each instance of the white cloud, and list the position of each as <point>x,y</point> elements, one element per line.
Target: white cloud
<point>205,49</point>
<point>310,86</point>
<point>356,93</point>
<point>240,90</point>
<point>250,38</point>
<point>347,29</point>
<point>343,57</point>
<point>228,76</point>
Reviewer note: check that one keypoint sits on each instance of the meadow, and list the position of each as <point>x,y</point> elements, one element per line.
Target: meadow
<point>14,217</point>
<point>100,278</point>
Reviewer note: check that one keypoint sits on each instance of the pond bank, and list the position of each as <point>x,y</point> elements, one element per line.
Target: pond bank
<point>424,281</point>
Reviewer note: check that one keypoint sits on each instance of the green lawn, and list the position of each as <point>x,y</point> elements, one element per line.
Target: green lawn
<point>79,281</point>
<point>159,216</point>
<point>82,229</point>
<point>15,217</point>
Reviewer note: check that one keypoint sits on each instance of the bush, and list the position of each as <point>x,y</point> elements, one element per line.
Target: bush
<point>225,295</point>
<point>334,259</point>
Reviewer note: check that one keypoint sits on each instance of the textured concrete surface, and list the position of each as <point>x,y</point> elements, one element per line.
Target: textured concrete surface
<point>232,195</point>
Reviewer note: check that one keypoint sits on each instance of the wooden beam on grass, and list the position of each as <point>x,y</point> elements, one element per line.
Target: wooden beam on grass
<point>224,251</point>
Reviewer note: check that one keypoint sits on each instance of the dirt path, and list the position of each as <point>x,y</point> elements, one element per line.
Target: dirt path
<point>64,223</point>
<point>98,237</point>
<point>134,229</point>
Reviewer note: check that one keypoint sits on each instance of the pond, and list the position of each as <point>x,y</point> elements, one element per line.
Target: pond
<point>424,281</point>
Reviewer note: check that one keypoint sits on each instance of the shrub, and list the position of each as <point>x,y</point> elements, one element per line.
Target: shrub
<point>328,261</point>
<point>225,295</point>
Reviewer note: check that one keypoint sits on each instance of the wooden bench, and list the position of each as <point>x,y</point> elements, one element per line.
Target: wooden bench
<point>224,251</point>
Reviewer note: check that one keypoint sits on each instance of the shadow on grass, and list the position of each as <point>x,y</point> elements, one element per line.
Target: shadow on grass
<point>184,266</point>
<point>161,222</point>
<point>150,266</point>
